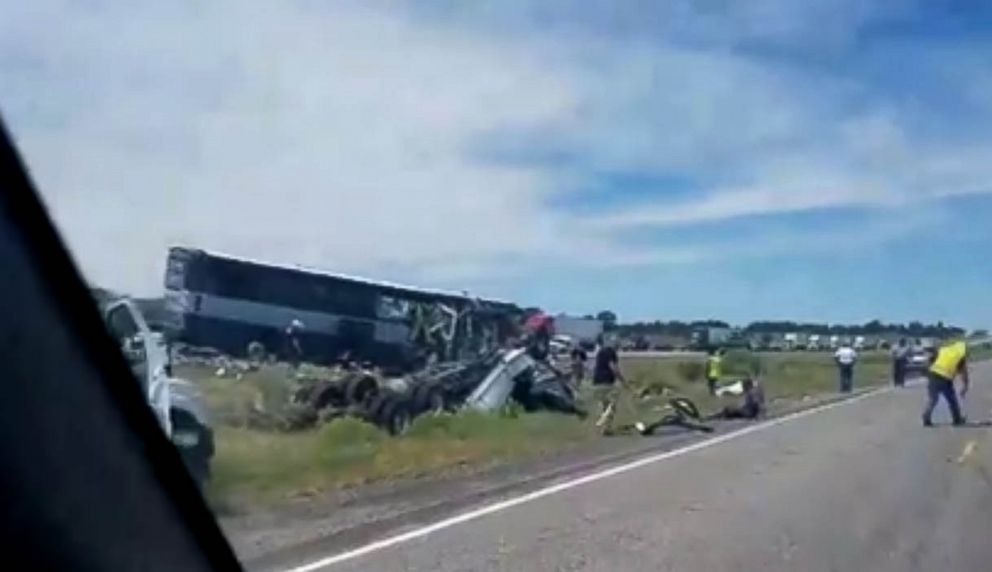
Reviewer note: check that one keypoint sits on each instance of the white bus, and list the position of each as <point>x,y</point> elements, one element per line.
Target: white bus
<point>226,302</point>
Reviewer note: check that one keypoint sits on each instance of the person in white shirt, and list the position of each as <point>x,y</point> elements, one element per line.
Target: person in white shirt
<point>846,357</point>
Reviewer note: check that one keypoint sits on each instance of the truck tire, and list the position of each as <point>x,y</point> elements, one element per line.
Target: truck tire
<point>374,408</point>
<point>394,416</point>
<point>360,388</point>
<point>428,399</point>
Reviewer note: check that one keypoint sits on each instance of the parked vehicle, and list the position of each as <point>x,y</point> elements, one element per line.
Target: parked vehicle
<point>176,403</point>
<point>794,341</point>
<point>920,359</point>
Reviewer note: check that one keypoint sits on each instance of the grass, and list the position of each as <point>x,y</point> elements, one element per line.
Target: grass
<point>979,353</point>
<point>786,376</point>
<point>256,467</point>
<point>256,463</point>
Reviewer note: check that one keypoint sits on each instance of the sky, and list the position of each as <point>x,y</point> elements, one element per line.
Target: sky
<point>770,159</point>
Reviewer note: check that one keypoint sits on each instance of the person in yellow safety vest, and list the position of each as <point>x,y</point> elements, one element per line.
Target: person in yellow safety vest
<point>951,361</point>
<point>714,369</point>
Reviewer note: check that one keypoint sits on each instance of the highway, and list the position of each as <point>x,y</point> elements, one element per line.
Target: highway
<point>858,485</point>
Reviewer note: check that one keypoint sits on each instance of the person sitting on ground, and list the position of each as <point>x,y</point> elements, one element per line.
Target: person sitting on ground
<point>752,403</point>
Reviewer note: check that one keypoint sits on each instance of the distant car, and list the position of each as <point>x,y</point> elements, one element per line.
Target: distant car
<point>920,359</point>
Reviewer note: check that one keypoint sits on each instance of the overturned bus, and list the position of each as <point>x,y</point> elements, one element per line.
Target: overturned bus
<point>226,302</point>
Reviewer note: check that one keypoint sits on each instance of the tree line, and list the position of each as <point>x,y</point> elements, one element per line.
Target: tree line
<point>678,328</point>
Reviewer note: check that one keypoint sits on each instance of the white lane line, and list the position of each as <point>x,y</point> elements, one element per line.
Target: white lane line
<point>567,485</point>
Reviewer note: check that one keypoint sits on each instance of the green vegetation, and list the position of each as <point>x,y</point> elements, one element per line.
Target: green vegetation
<point>979,353</point>
<point>254,466</point>
<point>260,463</point>
<point>786,376</point>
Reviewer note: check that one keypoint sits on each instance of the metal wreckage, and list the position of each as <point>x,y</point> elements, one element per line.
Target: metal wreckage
<point>400,351</point>
<point>474,357</point>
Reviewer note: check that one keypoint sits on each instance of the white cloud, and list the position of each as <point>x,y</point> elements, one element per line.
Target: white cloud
<point>334,138</point>
<point>345,136</point>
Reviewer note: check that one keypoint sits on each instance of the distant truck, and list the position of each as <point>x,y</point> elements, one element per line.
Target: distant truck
<point>712,337</point>
<point>708,338</point>
<point>795,341</point>
<point>814,343</point>
<point>583,331</point>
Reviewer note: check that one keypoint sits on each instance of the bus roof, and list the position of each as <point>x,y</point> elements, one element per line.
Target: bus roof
<point>391,286</point>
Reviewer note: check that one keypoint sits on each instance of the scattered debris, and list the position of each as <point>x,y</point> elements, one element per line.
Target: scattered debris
<point>488,383</point>
<point>680,412</point>
<point>736,388</point>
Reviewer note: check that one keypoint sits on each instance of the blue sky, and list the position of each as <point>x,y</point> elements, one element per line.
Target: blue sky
<point>739,160</point>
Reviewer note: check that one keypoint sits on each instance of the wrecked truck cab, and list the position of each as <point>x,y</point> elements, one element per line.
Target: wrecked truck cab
<point>176,404</point>
<point>534,384</point>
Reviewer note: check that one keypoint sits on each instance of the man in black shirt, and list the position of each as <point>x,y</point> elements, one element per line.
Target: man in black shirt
<point>606,390</point>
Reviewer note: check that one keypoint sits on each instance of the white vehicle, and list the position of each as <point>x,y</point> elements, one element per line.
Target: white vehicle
<point>814,343</point>
<point>176,403</point>
<point>859,343</point>
<point>561,345</point>
<point>794,341</point>
<point>919,359</point>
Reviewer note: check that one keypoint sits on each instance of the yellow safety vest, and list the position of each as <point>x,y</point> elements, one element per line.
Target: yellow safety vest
<point>713,367</point>
<point>948,360</point>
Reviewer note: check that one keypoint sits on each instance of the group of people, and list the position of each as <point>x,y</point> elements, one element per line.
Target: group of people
<point>943,366</point>
<point>610,388</point>
<point>608,382</point>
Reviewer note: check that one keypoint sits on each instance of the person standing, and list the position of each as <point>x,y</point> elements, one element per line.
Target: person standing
<point>951,361</point>
<point>539,328</point>
<point>294,347</point>
<point>607,380</point>
<point>900,361</point>
<point>578,359</point>
<point>846,357</point>
<point>714,369</point>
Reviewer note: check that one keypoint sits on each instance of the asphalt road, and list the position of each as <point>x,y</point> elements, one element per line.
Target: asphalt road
<point>857,486</point>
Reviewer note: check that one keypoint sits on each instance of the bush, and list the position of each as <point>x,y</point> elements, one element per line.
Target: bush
<point>462,425</point>
<point>691,370</point>
<point>347,441</point>
<point>741,363</point>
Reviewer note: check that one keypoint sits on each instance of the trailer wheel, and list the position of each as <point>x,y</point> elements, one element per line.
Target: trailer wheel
<point>374,408</point>
<point>359,388</point>
<point>395,416</point>
<point>437,401</point>
<point>428,398</point>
